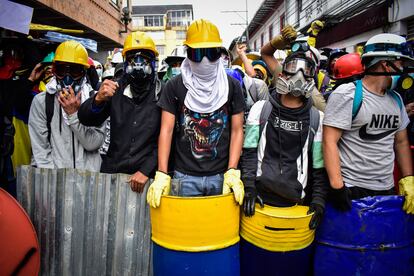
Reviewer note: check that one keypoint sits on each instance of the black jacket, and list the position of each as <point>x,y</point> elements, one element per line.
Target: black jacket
<point>134,130</point>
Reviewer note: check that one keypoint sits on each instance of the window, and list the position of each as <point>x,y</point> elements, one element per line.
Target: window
<point>261,40</point>
<point>299,5</point>
<point>270,31</point>
<point>160,49</point>
<point>179,18</point>
<point>282,22</point>
<point>181,35</point>
<point>153,21</point>
<point>255,45</point>
<point>115,2</point>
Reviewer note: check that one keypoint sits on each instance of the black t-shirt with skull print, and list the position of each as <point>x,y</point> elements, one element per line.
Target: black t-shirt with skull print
<point>202,140</point>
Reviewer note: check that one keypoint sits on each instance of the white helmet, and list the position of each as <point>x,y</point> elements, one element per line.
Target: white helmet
<point>117,58</point>
<point>110,73</point>
<point>315,52</point>
<point>386,47</point>
<point>178,54</point>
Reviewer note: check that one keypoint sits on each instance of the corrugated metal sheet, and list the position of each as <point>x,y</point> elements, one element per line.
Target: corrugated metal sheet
<point>87,223</point>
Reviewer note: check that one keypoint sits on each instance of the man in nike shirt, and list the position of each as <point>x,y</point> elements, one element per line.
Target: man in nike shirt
<point>360,146</point>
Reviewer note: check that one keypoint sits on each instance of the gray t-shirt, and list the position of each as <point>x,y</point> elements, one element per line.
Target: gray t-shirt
<point>366,146</point>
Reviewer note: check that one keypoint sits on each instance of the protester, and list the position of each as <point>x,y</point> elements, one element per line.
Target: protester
<point>365,129</point>
<point>135,117</point>
<point>58,139</point>
<point>207,107</point>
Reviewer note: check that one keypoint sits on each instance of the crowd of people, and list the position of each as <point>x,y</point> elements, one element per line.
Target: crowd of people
<point>274,132</point>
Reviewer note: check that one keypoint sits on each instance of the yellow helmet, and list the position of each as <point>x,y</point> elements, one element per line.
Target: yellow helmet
<point>203,34</point>
<point>72,52</point>
<point>137,41</point>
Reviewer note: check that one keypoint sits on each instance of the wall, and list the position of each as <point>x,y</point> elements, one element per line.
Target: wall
<point>98,15</point>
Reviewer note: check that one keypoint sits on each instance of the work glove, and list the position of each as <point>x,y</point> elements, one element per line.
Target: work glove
<point>249,203</point>
<point>160,186</point>
<point>341,198</point>
<point>232,181</point>
<point>287,37</point>
<point>406,185</point>
<point>315,28</point>
<point>316,219</point>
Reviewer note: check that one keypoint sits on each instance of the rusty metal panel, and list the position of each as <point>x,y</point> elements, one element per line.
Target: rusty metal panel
<point>87,223</point>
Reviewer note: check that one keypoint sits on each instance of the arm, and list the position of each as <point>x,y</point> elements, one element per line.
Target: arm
<point>236,139</point>
<point>42,150</point>
<point>95,110</point>
<point>248,68</point>
<point>331,136</point>
<point>403,153</point>
<point>278,42</point>
<point>165,139</point>
<point>91,138</point>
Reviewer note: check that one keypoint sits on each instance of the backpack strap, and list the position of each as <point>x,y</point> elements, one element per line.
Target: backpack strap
<point>264,115</point>
<point>396,98</point>
<point>314,118</point>
<point>358,96</point>
<point>49,109</point>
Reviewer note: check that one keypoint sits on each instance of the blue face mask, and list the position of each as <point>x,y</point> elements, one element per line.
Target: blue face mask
<point>402,81</point>
<point>175,71</point>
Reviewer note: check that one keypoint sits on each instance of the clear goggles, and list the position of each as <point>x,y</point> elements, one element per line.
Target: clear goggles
<point>197,54</point>
<point>293,66</point>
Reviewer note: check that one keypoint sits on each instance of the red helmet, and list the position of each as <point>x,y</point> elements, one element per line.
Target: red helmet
<point>90,62</point>
<point>348,66</point>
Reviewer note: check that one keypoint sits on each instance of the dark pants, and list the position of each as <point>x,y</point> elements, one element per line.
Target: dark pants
<point>358,192</point>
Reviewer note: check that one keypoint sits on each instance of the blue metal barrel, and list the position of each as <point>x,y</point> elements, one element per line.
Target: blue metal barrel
<point>376,237</point>
<point>196,236</point>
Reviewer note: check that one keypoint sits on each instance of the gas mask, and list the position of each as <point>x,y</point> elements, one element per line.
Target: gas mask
<point>139,68</point>
<point>69,81</point>
<point>69,75</point>
<point>175,71</point>
<point>296,85</point>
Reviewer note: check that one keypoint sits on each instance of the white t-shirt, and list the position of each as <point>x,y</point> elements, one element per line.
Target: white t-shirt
<point>366,146</point>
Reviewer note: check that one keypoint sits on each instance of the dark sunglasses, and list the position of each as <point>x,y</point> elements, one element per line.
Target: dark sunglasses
<point>148,56</point>
<point>74,70</point>
<point>197,54</point>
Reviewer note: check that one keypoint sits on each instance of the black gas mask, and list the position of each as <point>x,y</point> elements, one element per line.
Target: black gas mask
<point>69,75</point>
<point>140,66</point>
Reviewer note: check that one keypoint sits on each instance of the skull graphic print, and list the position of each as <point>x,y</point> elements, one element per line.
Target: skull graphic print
<point>203,130</point>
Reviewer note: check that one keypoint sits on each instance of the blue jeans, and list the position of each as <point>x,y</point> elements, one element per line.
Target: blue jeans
<point>189,185</point>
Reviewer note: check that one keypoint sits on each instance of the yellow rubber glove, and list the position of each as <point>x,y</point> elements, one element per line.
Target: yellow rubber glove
<point>315,28</point>
<point>288,36</point>
<point>232,181</point>
<point>160,186</point>
<point>407,189</point>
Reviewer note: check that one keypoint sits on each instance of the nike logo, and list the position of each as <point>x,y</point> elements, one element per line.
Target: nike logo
<point>373,137</point>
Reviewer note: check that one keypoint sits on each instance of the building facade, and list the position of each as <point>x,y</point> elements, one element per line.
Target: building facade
<point>100,19</point>
<point>349,24</point>
<point>166,24</point>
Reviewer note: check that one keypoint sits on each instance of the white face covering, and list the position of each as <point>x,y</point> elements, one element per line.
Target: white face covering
<point>99,71</point>
<point>225,62</point>
<point>207,85</point>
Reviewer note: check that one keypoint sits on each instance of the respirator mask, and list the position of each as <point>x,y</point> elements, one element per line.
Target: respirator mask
<point>139,66</point>
<point>69,75</point>
<point>299,81</point>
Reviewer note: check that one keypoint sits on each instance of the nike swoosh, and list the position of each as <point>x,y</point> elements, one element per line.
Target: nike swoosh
<point>373,137</point>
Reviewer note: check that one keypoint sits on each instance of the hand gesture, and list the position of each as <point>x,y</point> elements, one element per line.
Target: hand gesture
<point>106,91</point>
<point>137,181</point>
<point>69,101</point>
<point>36,72</point>
<point>241,49</point>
